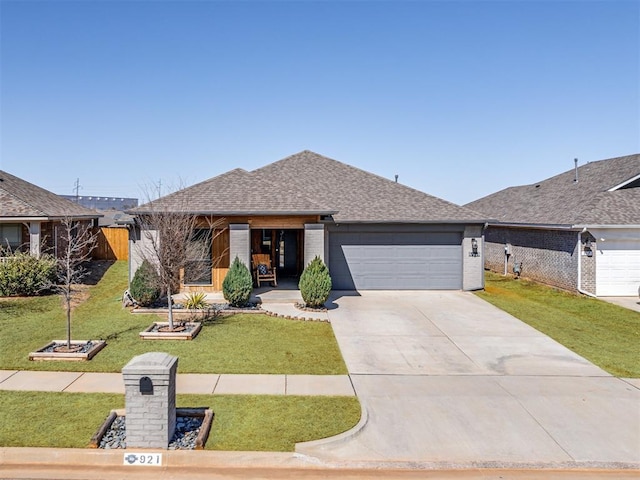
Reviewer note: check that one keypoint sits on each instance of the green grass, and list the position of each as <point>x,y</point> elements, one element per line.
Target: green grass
<point>243,343</point>
<point>241,422</point>
<point>605,334</point>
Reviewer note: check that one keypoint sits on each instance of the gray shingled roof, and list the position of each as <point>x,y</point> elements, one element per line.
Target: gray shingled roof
<point>360,196</point>
<point>562,201</point>
<point>19,198</point>
<point>310,183</point>
<point>237,192</point>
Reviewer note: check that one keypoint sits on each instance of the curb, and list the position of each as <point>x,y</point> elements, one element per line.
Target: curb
<point>307,448</point>
<point>87,457</point>
<point>23,462</point>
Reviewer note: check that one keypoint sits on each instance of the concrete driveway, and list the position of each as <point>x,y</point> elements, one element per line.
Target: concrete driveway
<point>631,303</point>
<point>447,379</point>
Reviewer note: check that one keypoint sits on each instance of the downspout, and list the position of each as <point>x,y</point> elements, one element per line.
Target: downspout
<point>580,265</point>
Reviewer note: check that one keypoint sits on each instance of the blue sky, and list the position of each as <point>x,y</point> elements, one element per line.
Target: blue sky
<point>460,99</point>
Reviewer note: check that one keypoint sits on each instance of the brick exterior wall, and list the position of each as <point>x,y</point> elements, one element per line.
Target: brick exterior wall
<point>47,237</point>
<point>314,240</point>
<point>240,243</point>
<point>588,272</point>
<point>472,264</point>
<point>547,256</point>
<point>51,236</point>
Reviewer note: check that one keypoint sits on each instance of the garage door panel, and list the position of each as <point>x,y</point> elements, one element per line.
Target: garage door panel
<point>617,271</point>
<point>382,260</point>
<point>408,238</point>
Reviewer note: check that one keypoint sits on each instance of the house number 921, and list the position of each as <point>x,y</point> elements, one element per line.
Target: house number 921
<point>151,459</point>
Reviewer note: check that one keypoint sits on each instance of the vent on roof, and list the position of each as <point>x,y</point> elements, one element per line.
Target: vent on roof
<point>575,178</point>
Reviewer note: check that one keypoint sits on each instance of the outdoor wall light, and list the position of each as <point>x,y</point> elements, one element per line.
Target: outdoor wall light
<point>474,246</point>
<point>588,250</point>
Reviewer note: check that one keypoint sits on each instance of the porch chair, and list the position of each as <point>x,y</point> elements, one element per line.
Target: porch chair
<point>263,271</point>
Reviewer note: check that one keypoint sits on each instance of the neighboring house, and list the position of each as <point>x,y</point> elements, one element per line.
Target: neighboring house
<point>103,203</point>
<point>30,216</point>
<point>372,232</point>
<point>113,236</point>
<point>579,230</point>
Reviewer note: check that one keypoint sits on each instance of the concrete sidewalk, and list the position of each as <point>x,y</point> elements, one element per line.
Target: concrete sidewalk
<point>216,384</point>
<point>278,304</point>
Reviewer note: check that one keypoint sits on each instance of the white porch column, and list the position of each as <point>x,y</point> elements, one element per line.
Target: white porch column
<point>313,242</point>
<point>34,239</point>
<point>240,243</point>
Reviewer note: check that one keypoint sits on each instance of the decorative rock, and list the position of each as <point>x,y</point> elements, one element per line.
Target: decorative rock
<point>184,437</point>
<point>303,307</point>
<point>84,348</point>
<point>178,327</point>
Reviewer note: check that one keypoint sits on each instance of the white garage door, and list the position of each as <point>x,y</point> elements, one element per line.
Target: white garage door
<point>617,269</point>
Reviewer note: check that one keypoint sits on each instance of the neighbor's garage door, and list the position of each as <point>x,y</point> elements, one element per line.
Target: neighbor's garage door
<point>370,260</point>
<point>617,268</point>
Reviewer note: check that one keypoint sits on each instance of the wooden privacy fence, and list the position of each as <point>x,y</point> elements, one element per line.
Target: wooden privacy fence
<point>113,244</point>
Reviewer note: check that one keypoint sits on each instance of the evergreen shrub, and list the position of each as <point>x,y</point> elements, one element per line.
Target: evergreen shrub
<point>145,285</point>
<point>315,283</point>
<point>237,284</point>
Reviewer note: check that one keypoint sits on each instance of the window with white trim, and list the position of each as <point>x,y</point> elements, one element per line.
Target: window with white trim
<point>10,235</point>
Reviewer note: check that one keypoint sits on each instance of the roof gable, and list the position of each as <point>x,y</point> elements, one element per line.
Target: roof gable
<point>360,196</point>
<point>630,183</point>
<point>598,196</point>
<point>19,198</point>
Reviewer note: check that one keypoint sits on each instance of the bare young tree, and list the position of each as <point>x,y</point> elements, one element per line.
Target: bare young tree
<point>176,241</point>
<point>76,242</point>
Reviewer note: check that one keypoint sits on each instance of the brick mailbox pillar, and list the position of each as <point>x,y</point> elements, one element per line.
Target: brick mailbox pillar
<point>150,399</point>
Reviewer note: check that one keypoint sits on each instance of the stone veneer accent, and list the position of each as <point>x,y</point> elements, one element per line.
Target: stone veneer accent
<point>240,243</point>
<point>314,240</point>
<point>150,418</point>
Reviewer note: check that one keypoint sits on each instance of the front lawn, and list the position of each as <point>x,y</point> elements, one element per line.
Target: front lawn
<point>243,343</point>
<point>605,334</point>
<point>241,422</point>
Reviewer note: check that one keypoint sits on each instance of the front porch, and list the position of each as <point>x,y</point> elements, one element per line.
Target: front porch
<point>286,292</point>
<point>290,242</point>
<point>279,301</point>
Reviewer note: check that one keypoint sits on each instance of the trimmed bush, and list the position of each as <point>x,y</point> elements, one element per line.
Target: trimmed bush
<point>24,275</point>
<point>145,285</point>
<point>315,284</point>
<point>238,284</point>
